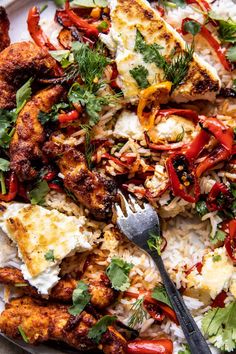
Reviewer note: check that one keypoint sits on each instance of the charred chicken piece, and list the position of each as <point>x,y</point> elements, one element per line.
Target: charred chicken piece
<point>100,290</point>
<point>90,189</point>
<point>42,321</point>
<point>26,144</point>
<point>4,29</point>
<point>18,63</point>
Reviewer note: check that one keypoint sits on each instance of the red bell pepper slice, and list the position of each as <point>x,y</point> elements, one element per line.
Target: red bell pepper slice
<point>50,176</point>
<point>178,188</point>
<point>162,147</point>
<point>217,190</point>
<point>145,346</point>
<point>68,117</point>
<point>197,266</point>
<point>218,155</point>
<point>186,113</point>
<point>36,31</point>
<point>55,187</point>
<point>230,241</point>
<point>12,189</point>
<point>81,23</point>
<point>203,4</point>
<point>207,35</point>
<point>225,135</point>
<point>197,145</point>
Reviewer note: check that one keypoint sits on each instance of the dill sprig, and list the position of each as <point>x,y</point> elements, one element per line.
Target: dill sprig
<point>139,313</point>
<point>175,69</point>
<point>89,148</point>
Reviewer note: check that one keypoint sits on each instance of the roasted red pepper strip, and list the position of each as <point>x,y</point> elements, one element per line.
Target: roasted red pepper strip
<point>219,300</point>
<point>186,113</point>
<point>197,145</point>
<point>81,23</point>
<point>50,176</point>
<point>162,147</point>
<point>203,4</point>
<point>207,35</point>
<point>218,155</point>
<point>179,190</point>
<point>230,241</point>
<point>144,346</point>
<point>68,117</point>
<point>217,190</point>
<point>55,187</point>
<point>36,31</point>
<point>12,190</point>
<point>224,135</point>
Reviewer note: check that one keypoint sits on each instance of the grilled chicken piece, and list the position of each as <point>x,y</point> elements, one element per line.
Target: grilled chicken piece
<point>100,290</point>
<point>42,321</point>
<point>4,29</point>
<point>128,16</point>
<point>91,189</point>
<point>25,147</point>
<point>18,63</point>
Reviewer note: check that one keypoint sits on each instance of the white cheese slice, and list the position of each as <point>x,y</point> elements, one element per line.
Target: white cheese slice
<point>202,81</point>
<point>37,231</point>
<point>217,273</point>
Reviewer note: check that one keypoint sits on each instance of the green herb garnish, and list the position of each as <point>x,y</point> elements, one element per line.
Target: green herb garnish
<point>23,335</point>
<point>155,242</point>
<point>49,256</point>
<point>216,258</point>
<point>201,208</point>
<point>192,27</point>
<point>218,237</point>
<point>38,194</point>
<point>219,324</point>
<point>7,120</point>
<point>185,350</point>
<point>52,116</point>
<point>118,273</point>
<point>64,57</point>
<point>81,298</point>
<point>59,3</point>
<point>174,70</point>
<point>231,54</point>
<point>23,95</point>
<point>140,73</point>
<point>159,293</point>
<point>227,31</point>
<point>4,165</point>
<point>96,332</point>
<point>139,314</point>
<point>89,3</point>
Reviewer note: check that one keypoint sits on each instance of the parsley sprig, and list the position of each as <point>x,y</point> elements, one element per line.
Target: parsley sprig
<point>219,324</point>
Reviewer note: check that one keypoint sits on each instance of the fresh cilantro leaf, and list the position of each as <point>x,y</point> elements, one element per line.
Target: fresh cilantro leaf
<point>49,256</point>
<point>118,272</point>
<point>219,324</point>
<point>140,73</point>
<point>23,95</point>
<point>52,116</point>
<point>89,3</point>
<point>23,335</point>
<point>201,208</point>
<point>185,350</point>
<point>139,314</point>
<point>7,120</point>
<point>233,189</point>
<point>216,258</point>
<point>63,56</point>
<point>155,242</point>
<point>4,165</point>
<point>93,104</point>
<point>38,194</point>
<point>59,3</point>
<point>96,332</point>
<point>159,293</point>
<point>192,27</point>
<point>103,26</point>
<point>81,298</point>
<point>231,54</point>
<point>227,30</point>
<point>91,64</point>
<point>218,237</point>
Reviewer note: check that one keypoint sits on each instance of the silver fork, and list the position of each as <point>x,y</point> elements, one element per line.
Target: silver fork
<point>138,223</point>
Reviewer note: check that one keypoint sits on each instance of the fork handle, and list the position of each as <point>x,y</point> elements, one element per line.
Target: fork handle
<point>193,335</point>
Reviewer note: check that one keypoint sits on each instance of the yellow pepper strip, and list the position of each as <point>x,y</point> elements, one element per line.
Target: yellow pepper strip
<point>152,96</point>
